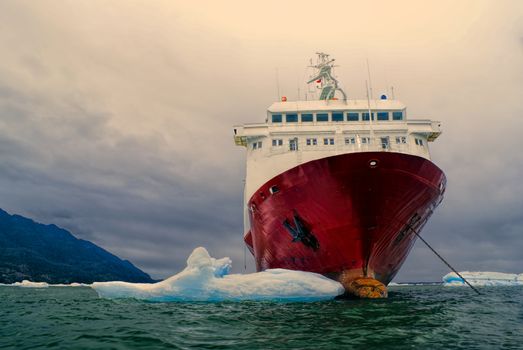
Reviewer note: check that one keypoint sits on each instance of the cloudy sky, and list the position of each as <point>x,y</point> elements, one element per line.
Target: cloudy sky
<point>115,116</point>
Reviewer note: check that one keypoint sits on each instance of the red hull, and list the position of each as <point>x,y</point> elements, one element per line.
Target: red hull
<point>362,216</point>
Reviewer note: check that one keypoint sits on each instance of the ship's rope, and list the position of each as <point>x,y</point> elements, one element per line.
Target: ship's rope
<point>446,263</point>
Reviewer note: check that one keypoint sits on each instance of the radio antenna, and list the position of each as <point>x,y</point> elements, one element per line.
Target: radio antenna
<point>370,80</point>
<point>371,130</point>
<point>277,86</point>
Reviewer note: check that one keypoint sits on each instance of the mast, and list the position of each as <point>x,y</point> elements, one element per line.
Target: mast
<point>323,76</point>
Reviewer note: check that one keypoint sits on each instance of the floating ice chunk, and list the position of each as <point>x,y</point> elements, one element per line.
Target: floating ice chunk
<point>483,279</point>
<point>29,284</point>
<point>208,279</point>
<point>74,284</point>
<point>410,284</point>
<point>394,284</point>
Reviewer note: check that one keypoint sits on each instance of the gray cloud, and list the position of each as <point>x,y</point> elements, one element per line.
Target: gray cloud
<point>115,121</point>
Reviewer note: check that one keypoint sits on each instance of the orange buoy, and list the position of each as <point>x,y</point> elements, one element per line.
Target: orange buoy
<point>283,99</point>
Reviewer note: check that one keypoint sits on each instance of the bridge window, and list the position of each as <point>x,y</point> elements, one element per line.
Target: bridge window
<point>365,140</point>
<point>383,115</point>
<point>419,142</point>
<point>276,118</point>
<point>257,145</point>
<point>277,142</point>
<point>322,117</point>
<point>306,118</point>
<point>291,118</point>
<point>337,117</point>
<point>350,140</point>
<point>365,116</point>
<point>401,139</point>
<point>312,142</point>
<point>328,141</point>
<point>353,116</point>
<point>397,115</point>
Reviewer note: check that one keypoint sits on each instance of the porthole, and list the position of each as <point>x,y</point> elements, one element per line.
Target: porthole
<point>373,163</point>
<point>274,189</point>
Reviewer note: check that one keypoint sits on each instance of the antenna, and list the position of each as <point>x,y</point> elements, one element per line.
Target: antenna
<point>371,131</point>
<point>277,85</point>
<point>387,83</point>
<point>370,80</point>
<point>392,91</point>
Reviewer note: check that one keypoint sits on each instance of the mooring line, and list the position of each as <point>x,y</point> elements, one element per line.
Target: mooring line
<point>446,263</point>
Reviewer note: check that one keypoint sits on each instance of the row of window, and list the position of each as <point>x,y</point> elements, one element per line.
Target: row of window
<point>352,140</point>
<point>330,141</point>
<point>335,117</point>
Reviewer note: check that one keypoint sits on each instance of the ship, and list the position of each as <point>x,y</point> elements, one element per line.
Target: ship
<point>338,186</point>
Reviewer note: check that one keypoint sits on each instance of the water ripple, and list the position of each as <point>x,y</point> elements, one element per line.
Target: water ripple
<point>427,317</point>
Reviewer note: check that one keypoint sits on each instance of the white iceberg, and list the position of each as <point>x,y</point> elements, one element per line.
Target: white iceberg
<point>208,279</point>
<point>394,284</point>
<point>29,284</point>
<point>74,284</point>
<point>483,279</point>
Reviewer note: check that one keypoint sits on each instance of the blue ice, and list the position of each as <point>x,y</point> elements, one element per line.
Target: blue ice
<point>483,279</point>
<point>208,279</point>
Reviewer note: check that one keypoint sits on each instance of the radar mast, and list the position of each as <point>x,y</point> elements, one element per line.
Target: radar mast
<point>323,76</point>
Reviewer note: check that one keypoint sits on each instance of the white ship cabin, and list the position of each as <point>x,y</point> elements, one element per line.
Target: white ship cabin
<point>301,131</point>
<point>297,132</point>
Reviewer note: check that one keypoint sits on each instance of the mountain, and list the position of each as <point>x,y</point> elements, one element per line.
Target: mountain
<point>48,253</point>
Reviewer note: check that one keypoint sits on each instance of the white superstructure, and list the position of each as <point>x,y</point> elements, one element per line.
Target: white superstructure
<point>301,131</point>
<point>298,132</point>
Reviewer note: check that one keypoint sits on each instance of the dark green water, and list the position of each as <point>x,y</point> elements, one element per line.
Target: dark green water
<point>426,317</point>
